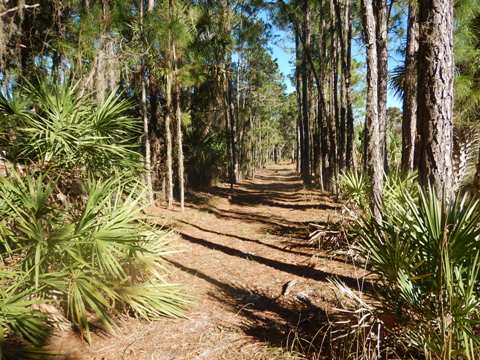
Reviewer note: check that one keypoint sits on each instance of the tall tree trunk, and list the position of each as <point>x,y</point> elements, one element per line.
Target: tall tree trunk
<point>168,139</point>
<point>349,157</point>
<point>409,120</point>
<point>382,54</point>
<point>435,94</point>
<point>146,132</point>
<point>238,125</point>
<point>233,133</point>
<point>374,159</point>
<point>151,5</point>
<point>228,125</point>
<point>156,133</point>
<point>341,29</point>
<point>322,115</point>
<point>333,118</point>
<point>298,92</point>
<point>178,117</point>
<point>298,149</point>
<point>336,103</point>
<point>305,94</point>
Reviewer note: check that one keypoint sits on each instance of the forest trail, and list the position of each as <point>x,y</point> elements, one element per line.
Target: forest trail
<point>255,280</point>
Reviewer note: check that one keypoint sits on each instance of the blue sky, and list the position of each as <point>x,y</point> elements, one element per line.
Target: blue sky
<point>283,50</point>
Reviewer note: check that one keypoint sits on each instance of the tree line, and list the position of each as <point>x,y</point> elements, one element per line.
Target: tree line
<point>324,32</point>
<point>200,76</point>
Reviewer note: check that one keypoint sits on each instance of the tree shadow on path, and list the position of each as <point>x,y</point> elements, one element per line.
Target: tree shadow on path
<point>298,270</point>
<point>270,318</point>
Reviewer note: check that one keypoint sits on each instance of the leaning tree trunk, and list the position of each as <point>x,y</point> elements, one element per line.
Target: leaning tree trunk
<point>435,94</point>
<point>409,121</point>
<point>382,54</point>
<point>374,154</point>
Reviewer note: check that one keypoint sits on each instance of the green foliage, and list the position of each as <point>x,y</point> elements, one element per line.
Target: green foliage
<point>396,186</point>
<point>17,317</point>
<point>94,253</point>
<point>206,159</point>
<point>353,187</point>
<point>72,232</point>
<point>64,132</point>
<point>426,255</point>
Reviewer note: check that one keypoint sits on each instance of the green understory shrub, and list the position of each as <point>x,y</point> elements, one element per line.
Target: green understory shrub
<point>425,255</point>
<point>72,231</point>
<point>93,256</point>
<point>205,158</point>
<point>55,129</point>
<point>353,187</point>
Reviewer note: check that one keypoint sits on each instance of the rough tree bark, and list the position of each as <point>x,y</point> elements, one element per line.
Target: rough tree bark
<point>382,64</point>
<point>178,118</point>
<point>322,116</point>
<point>476,181</point>
<point>146,132</point>
<point>298,81</point>
<point>374,154</point>
<point>435,94</point>
<point>168,139</point>
<point>349,157</point>
<point>332,113</point>
<point>305,94</point>
<point>409,121</point>
<point>233,134</point>
<point>344,29</point>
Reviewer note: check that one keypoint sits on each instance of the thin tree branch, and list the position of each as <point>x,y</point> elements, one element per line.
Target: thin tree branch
<point>16,8</point>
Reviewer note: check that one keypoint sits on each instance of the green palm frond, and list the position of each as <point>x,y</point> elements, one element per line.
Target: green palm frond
<point>353,186</point>
<point>65,131</point>
<point>426,254</point>
<point>396,80</point>
<point>94,253</point>
<point>154,299</point>
<point>17,316</point>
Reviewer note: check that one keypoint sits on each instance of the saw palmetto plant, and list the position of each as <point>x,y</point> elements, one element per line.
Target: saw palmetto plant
<point>17,316</point>
<point>353,187</point>
<point>425,254</point>
<point>72,233</point>
<point>64,132</point>
<point>95,255</point>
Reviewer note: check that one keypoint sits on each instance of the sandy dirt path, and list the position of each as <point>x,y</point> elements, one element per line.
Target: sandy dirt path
<point>259,289</point>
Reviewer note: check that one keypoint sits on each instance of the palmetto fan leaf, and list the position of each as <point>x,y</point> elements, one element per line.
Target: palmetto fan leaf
<point>426,254</point>
<point>153,299</point>
<point>396,80</point>
<point>64,131</point>
<point>17,317</point>
<point>95,253</point>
